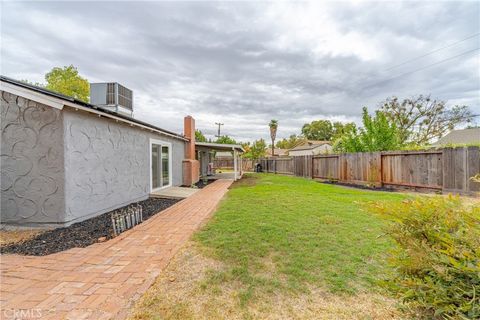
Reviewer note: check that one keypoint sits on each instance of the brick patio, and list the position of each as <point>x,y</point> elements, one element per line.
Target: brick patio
<point>103,280</point>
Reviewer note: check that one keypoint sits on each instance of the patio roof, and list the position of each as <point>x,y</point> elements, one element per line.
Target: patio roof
<point>220,146</point>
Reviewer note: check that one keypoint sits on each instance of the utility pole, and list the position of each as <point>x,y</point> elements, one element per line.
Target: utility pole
<point>219,125</point>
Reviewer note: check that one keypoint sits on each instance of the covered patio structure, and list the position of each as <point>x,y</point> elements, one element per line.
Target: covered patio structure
<point>205,153</point>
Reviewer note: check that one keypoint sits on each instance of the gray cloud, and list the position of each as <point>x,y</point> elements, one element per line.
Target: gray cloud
<point>246,63</point>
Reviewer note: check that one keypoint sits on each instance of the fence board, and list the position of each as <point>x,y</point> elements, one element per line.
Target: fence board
<point>416,169</point>
<point>284,165</point>
<point>326,167</point>
<point>363,167</point>
<point>247,164</point>
<point>473,168</point>
<point>459,156</point>
<point>448,169</point>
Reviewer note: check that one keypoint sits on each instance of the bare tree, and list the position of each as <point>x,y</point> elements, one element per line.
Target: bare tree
<point>421,119</point>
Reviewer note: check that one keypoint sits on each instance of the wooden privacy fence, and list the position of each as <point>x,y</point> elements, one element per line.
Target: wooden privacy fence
<point>247,164</point>
<point>448,170</point>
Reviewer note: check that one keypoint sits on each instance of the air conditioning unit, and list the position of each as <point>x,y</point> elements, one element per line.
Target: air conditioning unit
<point>112,96</point>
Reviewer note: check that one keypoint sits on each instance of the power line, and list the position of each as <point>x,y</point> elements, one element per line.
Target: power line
<point>417,58</point>
<point>434,51</point>
<point>425,67</point>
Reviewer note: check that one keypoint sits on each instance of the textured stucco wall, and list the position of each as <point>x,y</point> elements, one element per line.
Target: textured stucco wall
<point>63,166</point>
<point>107,164</point>
<point>32,171</point>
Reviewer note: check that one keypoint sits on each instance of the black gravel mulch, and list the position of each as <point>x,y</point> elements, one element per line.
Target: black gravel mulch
<point>202,184</point>
<point>81,234</point>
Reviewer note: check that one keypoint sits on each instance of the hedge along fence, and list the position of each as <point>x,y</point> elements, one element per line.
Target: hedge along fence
<point>447,170</point>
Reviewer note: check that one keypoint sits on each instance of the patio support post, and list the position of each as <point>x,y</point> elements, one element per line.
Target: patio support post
<point>235,165</point>
<point>240,159</point>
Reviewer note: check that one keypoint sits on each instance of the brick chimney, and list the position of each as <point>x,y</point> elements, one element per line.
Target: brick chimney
<point>191,167</point>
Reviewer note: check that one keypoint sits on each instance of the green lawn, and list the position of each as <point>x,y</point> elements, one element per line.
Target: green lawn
<point>286,233</point>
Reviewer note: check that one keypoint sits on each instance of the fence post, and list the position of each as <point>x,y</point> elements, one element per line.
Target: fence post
<point>312,167</point>
<point>473,168</point>
<point>305,166</point>
<point>294,166</point>
<point>381,170</point>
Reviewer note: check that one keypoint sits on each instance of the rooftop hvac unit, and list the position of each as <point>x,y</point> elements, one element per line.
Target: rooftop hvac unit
<point>112,96</point>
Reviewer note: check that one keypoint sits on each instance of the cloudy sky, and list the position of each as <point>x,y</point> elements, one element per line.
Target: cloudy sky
<point>244,63</point>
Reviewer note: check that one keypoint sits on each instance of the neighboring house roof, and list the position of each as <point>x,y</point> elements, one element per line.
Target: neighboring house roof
<point>278,152</point>
<point>59,100</point>
<point>464,136</point>
<point>220,146</point>
<point>309,145</point>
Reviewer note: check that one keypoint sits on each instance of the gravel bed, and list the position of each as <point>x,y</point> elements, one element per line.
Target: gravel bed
<point>81,234</point>
<point>201,184</point>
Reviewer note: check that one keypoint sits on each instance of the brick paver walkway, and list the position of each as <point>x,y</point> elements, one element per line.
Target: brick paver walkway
<point>102,280</point>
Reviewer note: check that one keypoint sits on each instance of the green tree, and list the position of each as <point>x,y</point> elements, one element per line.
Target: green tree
<point>256,150</point>
<point>199,136</point>
<point>421,119</point>
<point>67,81</point>
<point>340,128</point>
<point>318,130</point>
<point>325,130</point>
<point>377,134</point>
<point>291,142</point>
<point>273,133</point>
<point>226,140</point>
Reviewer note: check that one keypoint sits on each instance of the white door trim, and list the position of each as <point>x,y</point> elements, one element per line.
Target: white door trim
<point>161,143</point>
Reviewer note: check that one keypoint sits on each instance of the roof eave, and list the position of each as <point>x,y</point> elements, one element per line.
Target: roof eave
<point>220,146</point>
<point>58,101</point>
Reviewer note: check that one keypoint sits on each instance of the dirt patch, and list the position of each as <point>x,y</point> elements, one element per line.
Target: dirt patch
<point>15,236</point>
<point>81,234</point>
<point>356,186</point>
<point>473,199</point>
<point>183,292</point>
<point>248,180</point>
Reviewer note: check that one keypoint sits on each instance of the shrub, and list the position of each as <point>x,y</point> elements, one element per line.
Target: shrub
<point>436,263</point>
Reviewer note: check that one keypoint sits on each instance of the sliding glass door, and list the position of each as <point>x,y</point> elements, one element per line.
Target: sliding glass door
<point>165,166</point>
<point>160,164</point>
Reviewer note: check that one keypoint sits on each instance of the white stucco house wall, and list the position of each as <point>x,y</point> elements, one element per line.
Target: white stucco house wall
<point>311,147</point>
<point>64,160</point>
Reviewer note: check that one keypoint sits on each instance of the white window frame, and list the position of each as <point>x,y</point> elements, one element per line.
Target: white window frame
<point>170,173</point>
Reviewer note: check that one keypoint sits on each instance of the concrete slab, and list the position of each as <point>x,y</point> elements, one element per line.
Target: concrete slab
<point>174,193</point>
<point>224,175</point>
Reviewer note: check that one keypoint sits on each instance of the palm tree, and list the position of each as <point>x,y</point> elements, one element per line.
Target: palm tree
<point>273,133</point>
